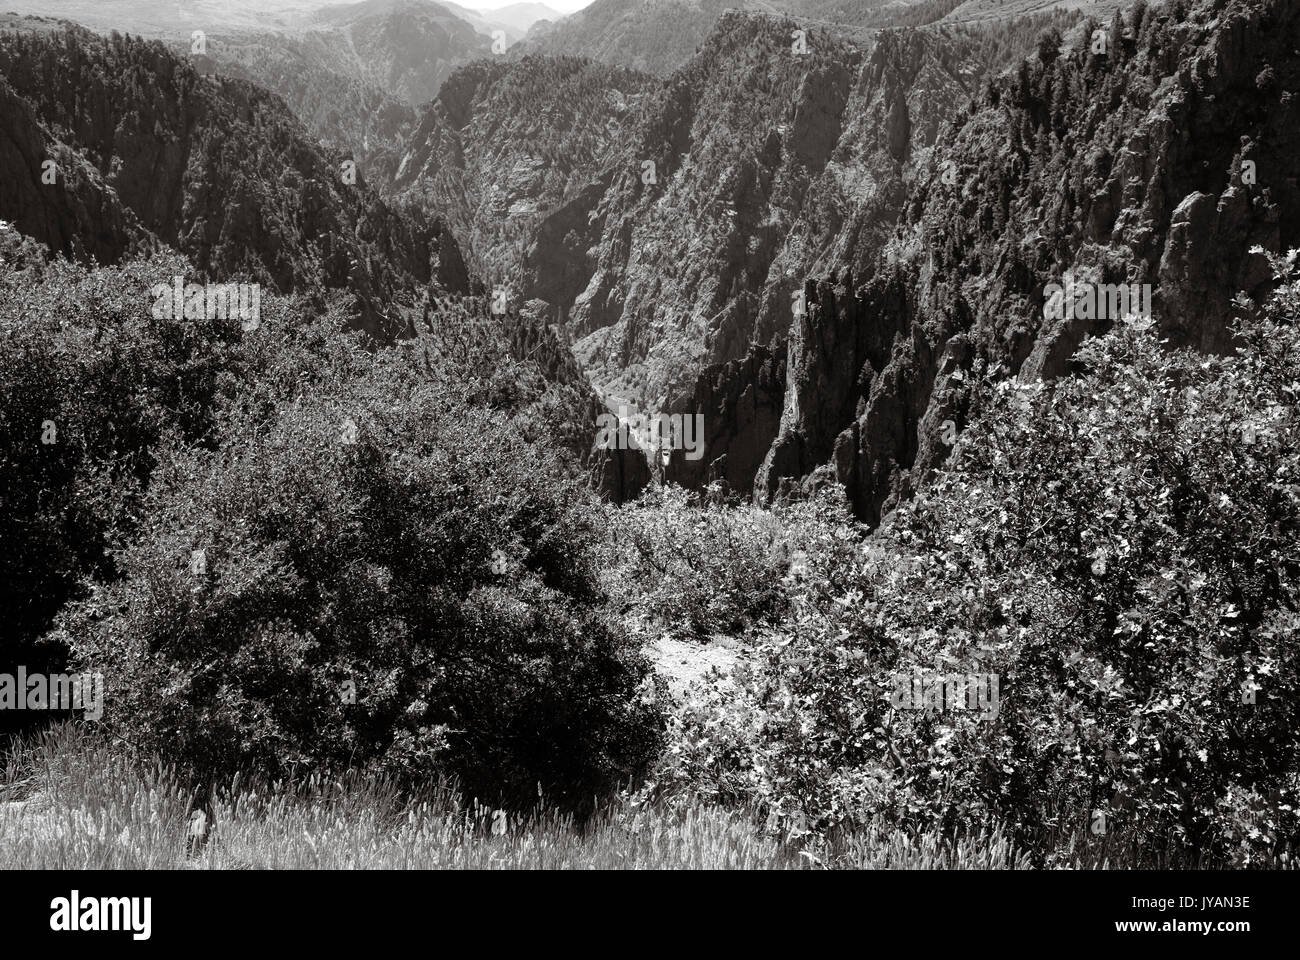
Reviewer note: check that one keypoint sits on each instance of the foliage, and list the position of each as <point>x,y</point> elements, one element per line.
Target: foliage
<point>1120,549</point>
<point>323,561</point>
<point>696,567</point>
<point>90,384</point>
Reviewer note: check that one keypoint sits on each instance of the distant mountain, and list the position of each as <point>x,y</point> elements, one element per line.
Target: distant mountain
<point>147,150</point>
<point>352,73</point>
<point>658,36</point>
<point>507,142</point>
<point>521,16</point>
<point>514,20</point>
<point>339,109</point>
<point>404,47</point>
<point>654,36</point>
<point>170,18</point>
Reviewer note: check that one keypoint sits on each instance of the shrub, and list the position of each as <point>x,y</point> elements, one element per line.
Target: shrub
<point>420,600</point>
<point>89,385</point>
<point>694,567</point>
<point>1119,547</point>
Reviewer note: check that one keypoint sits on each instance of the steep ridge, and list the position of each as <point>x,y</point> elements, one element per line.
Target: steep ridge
<point>762,158</point>
<point>1162,162</point>
<point>679,232</point>
<point>216,168</point>
<point>353,73</point>
<point>85,218</point>
<point>506,143</point>
<point>404,47</point>
<point>651,36</point>
<point>514,20</point>
<point>660,36</point>
<point>338,108</point>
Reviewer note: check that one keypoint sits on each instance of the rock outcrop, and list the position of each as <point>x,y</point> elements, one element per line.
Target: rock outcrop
<point>1163,164</point>
<point>755,167</point>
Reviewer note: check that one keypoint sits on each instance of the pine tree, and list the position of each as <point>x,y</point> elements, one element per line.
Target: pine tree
<point>1118,44</point>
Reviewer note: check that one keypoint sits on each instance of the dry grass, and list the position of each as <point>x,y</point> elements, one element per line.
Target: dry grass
<point>71,801</point>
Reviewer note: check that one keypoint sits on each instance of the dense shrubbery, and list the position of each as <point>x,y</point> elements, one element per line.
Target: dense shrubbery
<point>347,604</point>
<point>288,553</point>
<point>1120,548</point>
<point>353,607</point>
<point>694,567</point>
<point>90,384</point>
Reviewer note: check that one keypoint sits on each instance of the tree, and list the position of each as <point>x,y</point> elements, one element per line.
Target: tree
<point>1049,45</point>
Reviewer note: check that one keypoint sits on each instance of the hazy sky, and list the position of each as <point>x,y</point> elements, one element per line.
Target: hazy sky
<point>563,6</point>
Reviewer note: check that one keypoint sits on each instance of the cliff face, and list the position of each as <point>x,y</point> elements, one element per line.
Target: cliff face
<point>509,146</point>
<point>652,36</point>
<point>768,167</point>
<point>671,223</point>
<point>404,47</point>
<point>1161,163</point>
<point>324,89</point>
<point>755,166</point>
<point>741,403</point>
<point>85,218</point>
<point>660,36</point>
<point>216,168</point>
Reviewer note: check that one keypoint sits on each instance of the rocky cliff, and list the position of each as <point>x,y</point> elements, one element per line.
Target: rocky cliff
<point>145,146</point>
<point>1163,160</point>
<point>509,150</point>
<point>405,47</point>
<point>743,177</point>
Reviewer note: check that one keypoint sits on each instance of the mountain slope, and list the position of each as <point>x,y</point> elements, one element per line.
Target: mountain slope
<point>352,73</point>
<point>216,168</point>
<point>507,142</point>
<point>404,47</point>
<point>338,108</point>
<point>1125,168</point>
<point>654,36</point>
<point>761,159</point>
<point>513,20</point>
<point>659,36</point>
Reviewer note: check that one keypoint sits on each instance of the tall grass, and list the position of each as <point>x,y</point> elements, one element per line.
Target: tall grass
<point>71,800</point>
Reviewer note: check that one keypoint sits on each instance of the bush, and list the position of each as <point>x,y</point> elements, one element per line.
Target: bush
<point>420,600</point>
<point>329,572</point>
<point>1119,548</point>
<point>694,567</point>
<point>91,387</point>
<point>90,384</point>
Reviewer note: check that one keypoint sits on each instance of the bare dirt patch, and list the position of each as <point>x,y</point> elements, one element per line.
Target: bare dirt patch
<point>681,663</point>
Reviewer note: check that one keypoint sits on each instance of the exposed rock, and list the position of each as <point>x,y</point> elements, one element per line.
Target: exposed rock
<point>78,214</point>
<point>1179,108</point>
<point>216,168</point>
<point>740,402</point>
